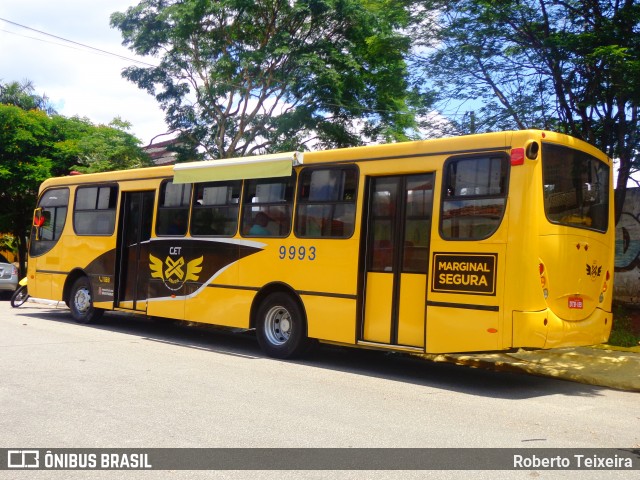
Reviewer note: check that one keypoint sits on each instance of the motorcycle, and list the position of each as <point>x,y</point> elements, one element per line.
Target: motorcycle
<point>21,295</point>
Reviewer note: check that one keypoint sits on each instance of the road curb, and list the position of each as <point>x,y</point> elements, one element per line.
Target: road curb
<point>618,369</point>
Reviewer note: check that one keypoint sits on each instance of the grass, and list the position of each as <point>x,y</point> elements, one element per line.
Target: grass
<point>626,327</point>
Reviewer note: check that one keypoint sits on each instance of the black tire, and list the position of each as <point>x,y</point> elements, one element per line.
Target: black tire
<point>19,296</point>
<point>281,327</point>
<point>81,302</point>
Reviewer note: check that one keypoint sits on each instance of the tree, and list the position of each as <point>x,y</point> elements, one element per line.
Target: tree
<point>566,65</point>
<point>109,147</point>
<point>237,77</point>
<point>35,146</point>
<point>23,95</point>
<point>24,164</point>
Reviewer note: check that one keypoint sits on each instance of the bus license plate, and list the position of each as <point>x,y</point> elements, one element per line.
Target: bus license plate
<point>575,302</point>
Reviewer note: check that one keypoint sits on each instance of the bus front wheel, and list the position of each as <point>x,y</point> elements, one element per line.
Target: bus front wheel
<point>281,327</point>
<point>81,303</point>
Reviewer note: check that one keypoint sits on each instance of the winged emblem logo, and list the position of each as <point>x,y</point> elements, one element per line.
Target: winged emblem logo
<point>594,270</point>
<point>173,272</point>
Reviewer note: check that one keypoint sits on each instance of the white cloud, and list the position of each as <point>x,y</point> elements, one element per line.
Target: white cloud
<point>78,81</point>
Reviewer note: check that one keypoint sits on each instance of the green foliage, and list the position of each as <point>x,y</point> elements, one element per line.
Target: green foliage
<point>237,77</point>
<point>23,95</point>
<point>107,148</point>
<point>625,331</point>
<point>24,164</point>
<point>571,66</point>
<point>35,145</point>
<point>8,243</point>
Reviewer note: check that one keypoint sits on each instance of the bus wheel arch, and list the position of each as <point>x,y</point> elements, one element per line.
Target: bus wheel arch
<point>78,296</point>
<point>71,279</point>
<point>280,320</point>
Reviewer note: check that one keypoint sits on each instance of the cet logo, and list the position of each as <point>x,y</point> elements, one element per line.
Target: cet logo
<point>172,271</point>
<point>23,459</point>
<point>594,270</point>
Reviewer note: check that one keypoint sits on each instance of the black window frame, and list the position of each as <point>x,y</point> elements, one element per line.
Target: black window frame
<point>276,211</point>
<point>303,202</point>
<point>38,245</point>
<point>477,203</point>
<point>173,211</point>
<point>199,209</point>
<point>582,212</point>
<point>108,213</point>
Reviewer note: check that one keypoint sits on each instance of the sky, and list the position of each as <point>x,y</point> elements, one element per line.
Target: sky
<point>78,81</point>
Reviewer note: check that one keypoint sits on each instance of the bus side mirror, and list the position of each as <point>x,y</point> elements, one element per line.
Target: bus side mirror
<point>38,221</point>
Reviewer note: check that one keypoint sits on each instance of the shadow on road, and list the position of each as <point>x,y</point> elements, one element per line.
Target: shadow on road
<point>396,367</point>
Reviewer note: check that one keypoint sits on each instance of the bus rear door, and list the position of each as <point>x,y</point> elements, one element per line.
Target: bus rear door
<point>398,220</point>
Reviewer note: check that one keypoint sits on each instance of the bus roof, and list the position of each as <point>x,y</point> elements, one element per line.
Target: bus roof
<point>261,166</point>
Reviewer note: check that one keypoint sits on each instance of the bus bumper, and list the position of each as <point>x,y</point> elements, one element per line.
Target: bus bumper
<point>544,329</point>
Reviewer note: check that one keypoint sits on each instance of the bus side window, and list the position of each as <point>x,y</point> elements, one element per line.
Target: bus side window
<point>215,208</point>
<point>326,202</point>
<point>266,207</point>
<point>94,212</point>
<point>474,197</point>
<point>173,209</point>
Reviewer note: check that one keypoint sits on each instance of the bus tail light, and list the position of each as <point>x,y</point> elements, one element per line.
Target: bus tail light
<point>517,156</point>
<point>543,280</point>
<point>605,286</point>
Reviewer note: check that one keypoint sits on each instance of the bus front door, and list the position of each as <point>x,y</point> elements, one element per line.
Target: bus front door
<point>132,270</point>
<point>398,223</point>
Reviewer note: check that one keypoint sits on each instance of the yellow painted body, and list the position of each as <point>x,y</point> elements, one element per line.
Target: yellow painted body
<point>345,304</point>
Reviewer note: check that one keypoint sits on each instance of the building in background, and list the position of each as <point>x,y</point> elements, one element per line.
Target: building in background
<point>626,285</point>
<point>160,152</point>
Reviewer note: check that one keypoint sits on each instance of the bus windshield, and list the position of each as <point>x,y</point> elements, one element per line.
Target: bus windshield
<point>576,188</point>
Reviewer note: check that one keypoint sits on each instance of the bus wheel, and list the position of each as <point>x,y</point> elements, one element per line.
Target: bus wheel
<point>81,304</point>
<point>280,327</point>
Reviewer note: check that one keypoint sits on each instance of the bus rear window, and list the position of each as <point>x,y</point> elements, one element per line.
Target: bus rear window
<point>576,188</point>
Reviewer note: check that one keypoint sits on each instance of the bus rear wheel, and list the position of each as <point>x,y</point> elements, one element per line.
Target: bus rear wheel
<point>281,327</point>
<point>81,303</point>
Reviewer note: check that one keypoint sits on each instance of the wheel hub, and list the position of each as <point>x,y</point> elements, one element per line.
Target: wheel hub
<point>278,325</point>
<point>82,300</point>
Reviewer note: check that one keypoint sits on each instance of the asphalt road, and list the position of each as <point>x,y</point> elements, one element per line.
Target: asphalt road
<point>135,383</point>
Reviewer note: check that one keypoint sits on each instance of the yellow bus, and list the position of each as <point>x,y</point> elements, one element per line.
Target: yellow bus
<point>476,243</point>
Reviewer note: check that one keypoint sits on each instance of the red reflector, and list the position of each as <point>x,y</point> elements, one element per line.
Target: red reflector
<point>517,156</point>
<point>576,303</point>
<point>492,330</point>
